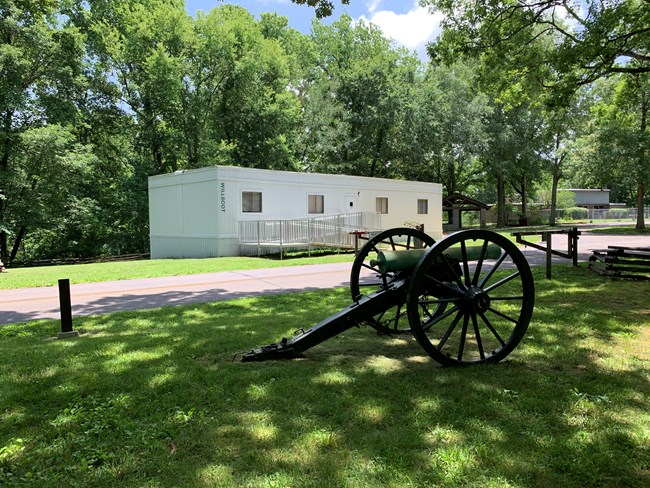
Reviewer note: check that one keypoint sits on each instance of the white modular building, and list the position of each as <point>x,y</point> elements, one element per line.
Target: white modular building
<point>200,212</point>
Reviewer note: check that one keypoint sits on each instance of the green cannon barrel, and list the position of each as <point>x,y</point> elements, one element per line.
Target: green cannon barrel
<point>391,261</point>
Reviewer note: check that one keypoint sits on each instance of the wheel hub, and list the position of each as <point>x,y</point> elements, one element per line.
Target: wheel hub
<point>476,300</point>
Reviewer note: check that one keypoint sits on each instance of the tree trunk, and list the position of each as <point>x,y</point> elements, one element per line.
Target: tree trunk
<point>556,173</point>
<point>501,202</point>
<point>524,199</point>
<point>4,169</point>
<point>451,179</point>
<point>640,201</point>
<point>640,189</point>
<point>17,242</point>
<point>556,181</point>
<point>3,247</point>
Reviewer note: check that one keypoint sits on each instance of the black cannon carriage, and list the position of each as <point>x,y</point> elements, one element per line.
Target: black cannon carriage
<point>467,299</point>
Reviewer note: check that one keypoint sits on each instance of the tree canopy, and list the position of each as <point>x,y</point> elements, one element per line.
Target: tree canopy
<point>97,95</point>
<point>323,8</point>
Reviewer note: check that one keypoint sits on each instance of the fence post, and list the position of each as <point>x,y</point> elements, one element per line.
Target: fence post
<point>338,232</point>
<point>549,255</point>
<point>309,237</point>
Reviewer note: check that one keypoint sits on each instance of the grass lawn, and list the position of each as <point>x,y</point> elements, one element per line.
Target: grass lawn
<point>96,272</point>
<point>624,230</point>
<point>153,399</point>
<point>128,270</point>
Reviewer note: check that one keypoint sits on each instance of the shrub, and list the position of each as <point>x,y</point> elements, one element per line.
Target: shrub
<point>576,213</point>
<point>618,213</point>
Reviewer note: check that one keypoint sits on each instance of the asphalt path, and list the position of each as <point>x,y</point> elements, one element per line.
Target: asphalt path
<point>29,304</point>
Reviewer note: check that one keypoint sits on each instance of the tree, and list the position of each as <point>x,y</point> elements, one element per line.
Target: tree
<point>592,40</point>
<point>42,189</point>
<point>40,62</point>
<point>596,38</point>
<point>563,126</point>
<point>509,156</point>
<point>139,47</point>
<point>324,8</point>
<point>353,98</point>
<point>617,145</point>
<point>241,73</point>
<point>449,125</point>
<point>527,126</point>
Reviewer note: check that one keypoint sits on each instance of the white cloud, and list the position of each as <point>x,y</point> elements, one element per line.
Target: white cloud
<point>412,29</point>
<point>373,5</point>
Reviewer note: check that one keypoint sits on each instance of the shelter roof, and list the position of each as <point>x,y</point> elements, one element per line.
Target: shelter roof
<point>456,200</point>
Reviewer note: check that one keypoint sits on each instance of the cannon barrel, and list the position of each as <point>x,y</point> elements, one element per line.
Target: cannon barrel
<point>391,261</point>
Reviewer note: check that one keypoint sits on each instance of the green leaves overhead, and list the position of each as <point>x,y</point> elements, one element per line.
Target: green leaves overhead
<point>356,90</point>
<point>323,8</point>
<point>97,95</point>
<point>619,137</point>
<point>591,39</point>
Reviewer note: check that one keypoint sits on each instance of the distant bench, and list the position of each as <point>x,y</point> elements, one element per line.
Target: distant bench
<point>631,263</point>
<point>546,235</point>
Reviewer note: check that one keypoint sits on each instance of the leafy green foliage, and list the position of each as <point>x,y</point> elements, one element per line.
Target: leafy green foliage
<point>355,93</point>
<point>97,96</point>
<point>41,75</point>
<point>593,38</point>
<point>613,149</point>
<point>323,8</point>
<point>447,119</point>
<point>558,45</point>
<point>576,213</point>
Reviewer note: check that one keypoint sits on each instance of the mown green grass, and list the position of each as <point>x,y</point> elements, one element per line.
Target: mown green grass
<point>626,230</point>
<point>153,399</point>
<point>127,270</point>
<point>97,272</point>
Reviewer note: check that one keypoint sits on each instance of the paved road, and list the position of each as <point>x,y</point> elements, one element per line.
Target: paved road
<point>97,298</point>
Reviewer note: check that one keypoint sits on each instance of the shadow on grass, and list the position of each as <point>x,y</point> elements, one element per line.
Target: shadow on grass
<point>152,398</point>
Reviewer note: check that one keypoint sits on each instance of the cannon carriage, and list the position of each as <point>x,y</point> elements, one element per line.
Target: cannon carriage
<point>467,299</point>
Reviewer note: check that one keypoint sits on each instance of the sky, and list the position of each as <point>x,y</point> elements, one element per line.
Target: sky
<point>401,20</point>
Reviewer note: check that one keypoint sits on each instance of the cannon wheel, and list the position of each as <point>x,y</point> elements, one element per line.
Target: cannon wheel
<point>489,302</point>
<point>400,238</point>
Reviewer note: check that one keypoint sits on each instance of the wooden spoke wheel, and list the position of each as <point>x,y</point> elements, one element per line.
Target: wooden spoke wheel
<point>393,320</point>
<point>489,302</point>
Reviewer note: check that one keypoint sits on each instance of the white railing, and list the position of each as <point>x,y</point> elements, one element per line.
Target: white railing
<point>326,231</point>
<point>617,213</point>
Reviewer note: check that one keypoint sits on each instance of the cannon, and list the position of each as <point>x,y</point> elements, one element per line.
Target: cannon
<point>467,299</point>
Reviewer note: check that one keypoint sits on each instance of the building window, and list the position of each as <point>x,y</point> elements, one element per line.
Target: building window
<point>251,201</point>
<point>423,206</point>
<point>316,204</point>
<point>382,205</point>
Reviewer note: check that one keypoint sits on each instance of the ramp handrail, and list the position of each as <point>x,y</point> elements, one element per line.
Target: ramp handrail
<point>328,230</point>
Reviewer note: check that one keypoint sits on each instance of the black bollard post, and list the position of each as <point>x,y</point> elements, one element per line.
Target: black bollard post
<point>66,310</point>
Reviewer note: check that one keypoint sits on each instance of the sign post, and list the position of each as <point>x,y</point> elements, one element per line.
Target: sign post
<point>66,311</point>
